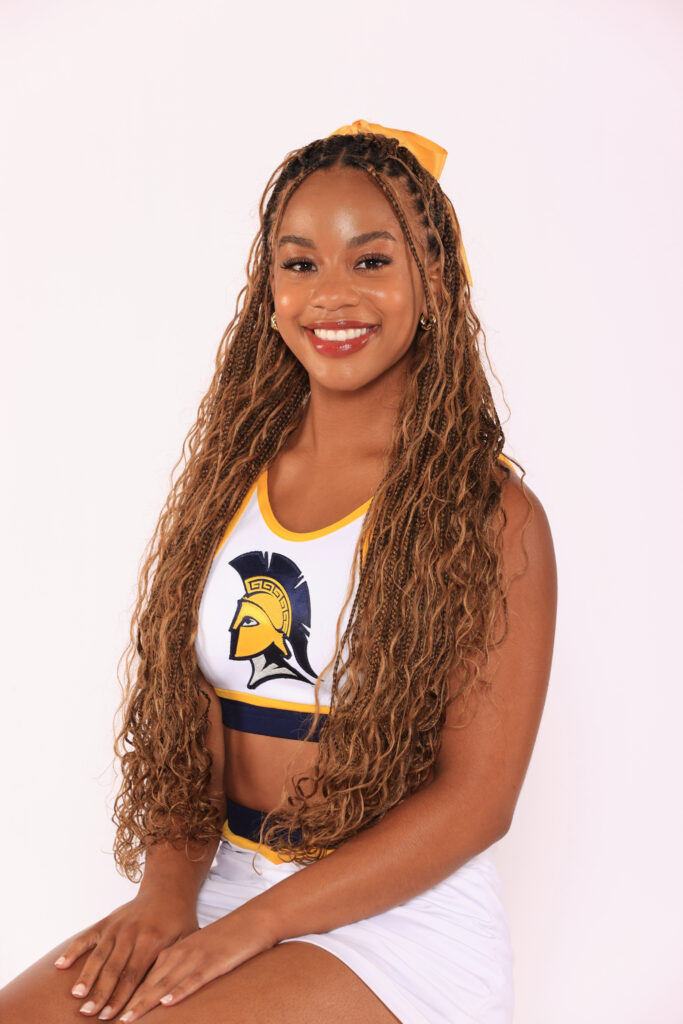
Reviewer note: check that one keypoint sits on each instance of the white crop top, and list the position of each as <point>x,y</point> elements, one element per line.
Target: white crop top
<point>268,615</point>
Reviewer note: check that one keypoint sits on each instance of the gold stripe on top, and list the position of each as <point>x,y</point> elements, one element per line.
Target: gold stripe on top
<point>511,465</point>
<point>268,702</point>
<point>261,486</point>
<point>233,522</point>
<point>282,531</point>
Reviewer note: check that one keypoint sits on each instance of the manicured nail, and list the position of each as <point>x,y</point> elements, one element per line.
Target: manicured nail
<point>107,1012</point>
<point>78,990</point>
<point>62,960</point>
<point>127,1016</point>
<point>166,999</point>
<point>88,1007</point>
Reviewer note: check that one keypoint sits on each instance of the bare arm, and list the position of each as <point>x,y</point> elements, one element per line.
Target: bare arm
<point>124,944</point>
<point>482,764</point>
<point>484,756</point>
<point>167,864</point>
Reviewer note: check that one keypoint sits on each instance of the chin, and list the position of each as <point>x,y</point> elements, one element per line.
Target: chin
<point>341,382</point>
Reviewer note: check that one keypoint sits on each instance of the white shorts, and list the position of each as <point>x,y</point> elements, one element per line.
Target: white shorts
<point>444,956</point>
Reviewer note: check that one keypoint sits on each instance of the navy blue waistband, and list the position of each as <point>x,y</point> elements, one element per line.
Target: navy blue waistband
<point>268,721</point>
<point>245,821</point>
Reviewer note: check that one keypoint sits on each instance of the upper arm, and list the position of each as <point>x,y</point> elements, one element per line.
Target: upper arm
<point>215,741</point>
<point>487,741</point>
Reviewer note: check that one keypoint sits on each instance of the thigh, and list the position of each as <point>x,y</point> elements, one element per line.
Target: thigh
<point>293,983</point>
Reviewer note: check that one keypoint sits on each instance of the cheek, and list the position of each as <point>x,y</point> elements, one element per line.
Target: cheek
<point>397,298</point>
<point>286,303</point>
<point>286,295</point>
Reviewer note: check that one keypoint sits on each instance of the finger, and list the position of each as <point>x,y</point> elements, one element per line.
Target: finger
<point>92,967</point>
<point>182,989</point>
<point>162,985</point>
<point>80,945</point>
<point>129,977</point>
<point>145,998</point>
<point>122,974</point>
<point>110,974</point>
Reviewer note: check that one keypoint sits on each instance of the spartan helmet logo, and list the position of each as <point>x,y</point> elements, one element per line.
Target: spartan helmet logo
<point>273,618</point>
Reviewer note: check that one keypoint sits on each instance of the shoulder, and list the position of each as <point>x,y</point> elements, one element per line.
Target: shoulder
<point>526,537</point>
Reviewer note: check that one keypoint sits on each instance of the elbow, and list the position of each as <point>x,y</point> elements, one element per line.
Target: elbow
<point>503,827</point>
<point>496,825</point>
<point>485,817</point>
<point>501,820</point>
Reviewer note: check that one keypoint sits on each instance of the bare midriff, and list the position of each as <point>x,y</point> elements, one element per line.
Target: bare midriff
<point>257,766</point>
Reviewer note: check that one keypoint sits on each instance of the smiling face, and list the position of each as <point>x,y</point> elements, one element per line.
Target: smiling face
<point>347,291</point>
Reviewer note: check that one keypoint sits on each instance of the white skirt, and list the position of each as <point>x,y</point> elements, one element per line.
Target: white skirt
<point>444,956</point>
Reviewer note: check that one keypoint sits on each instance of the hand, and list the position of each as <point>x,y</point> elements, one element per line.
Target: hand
<point>197,959</point>
<point>124,945</point>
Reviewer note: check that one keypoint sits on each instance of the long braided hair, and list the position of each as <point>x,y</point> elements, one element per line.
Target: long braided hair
<point>426,584</point>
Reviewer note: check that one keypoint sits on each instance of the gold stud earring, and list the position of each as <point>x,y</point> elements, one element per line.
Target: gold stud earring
<point>273,320</point>
<point>426,324</point>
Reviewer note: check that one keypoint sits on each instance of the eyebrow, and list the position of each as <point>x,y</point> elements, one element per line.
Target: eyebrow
<point>352,243</point>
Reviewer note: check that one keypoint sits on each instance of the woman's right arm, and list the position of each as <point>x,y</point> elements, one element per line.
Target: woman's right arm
<point>124,944</point>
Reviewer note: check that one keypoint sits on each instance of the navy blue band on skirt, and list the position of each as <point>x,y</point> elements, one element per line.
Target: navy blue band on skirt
<point>266,721</point>
<point>245,821</point>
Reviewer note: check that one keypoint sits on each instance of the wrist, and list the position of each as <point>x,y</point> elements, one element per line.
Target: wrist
<point>170,867</point>
<point>256,921</point>
<point>170,886</point>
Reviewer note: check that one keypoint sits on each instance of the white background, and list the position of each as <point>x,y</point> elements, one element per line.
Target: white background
<point>136,139</point>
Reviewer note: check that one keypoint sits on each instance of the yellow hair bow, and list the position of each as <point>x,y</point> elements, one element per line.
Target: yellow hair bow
<point>430,155</point>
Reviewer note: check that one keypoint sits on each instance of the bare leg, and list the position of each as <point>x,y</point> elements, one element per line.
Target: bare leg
<point>294,983</point>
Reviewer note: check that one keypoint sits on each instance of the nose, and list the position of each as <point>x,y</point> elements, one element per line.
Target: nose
<point>334,288</point>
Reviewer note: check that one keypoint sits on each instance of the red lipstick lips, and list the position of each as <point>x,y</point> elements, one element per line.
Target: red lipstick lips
<point>344,346</point>
<point>338,325</point>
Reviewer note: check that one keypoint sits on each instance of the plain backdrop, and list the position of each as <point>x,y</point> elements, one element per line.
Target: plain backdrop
<point>135,140</point>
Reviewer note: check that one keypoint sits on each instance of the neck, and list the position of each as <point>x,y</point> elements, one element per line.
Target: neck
<point>342,427</point>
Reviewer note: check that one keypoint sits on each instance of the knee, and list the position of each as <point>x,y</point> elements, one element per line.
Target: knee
<point>40,995</point>
<point>13,1008</point>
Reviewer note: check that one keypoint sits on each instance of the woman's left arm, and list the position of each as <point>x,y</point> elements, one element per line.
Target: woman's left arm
<point>485,752</point>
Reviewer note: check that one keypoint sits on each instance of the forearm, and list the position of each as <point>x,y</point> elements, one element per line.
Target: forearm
<point>416,845</point>
<point>169,865</point>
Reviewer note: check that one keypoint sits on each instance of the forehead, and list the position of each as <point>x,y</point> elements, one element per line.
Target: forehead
<point>337,196</point>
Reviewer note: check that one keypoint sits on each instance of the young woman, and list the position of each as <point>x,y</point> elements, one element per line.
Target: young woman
<point>341,646</point>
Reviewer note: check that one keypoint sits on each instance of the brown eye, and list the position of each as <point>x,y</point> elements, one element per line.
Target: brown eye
<point>374,261</point>
<point>299,266</point>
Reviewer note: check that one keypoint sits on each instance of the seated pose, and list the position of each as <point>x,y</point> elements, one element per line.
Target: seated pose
<point>341,647</point>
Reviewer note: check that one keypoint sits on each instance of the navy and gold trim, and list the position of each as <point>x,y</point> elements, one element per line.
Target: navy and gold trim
<point>242,828</point>
<point>284,719</point>
<point>245,822</point>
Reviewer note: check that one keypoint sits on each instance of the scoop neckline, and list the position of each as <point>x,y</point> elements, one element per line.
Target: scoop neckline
<point>276,526</point>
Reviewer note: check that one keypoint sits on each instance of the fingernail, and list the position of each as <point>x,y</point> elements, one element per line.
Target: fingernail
<point>78,990</point>
<point>62,960</point>
<point>107,1012</point>
<point>88,1007</point>
<point>166,999</point>
<point>127,1016</point>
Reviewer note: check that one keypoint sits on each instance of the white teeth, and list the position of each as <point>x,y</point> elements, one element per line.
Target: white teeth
<point>354,332</point>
